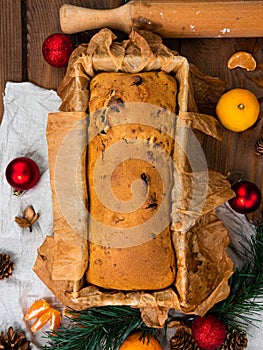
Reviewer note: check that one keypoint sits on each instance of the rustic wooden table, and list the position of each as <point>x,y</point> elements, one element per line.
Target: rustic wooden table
<point>26,23</point>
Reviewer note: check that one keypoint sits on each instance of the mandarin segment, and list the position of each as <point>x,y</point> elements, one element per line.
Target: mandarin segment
<point>55,319</point>
<point>41,321</point>
<point>243,60</point>
<point>37,309</point>
<point>43,313</point>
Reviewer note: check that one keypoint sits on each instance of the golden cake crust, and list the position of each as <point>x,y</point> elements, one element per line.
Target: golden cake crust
<point>154,87</point>
<point>121,262</point>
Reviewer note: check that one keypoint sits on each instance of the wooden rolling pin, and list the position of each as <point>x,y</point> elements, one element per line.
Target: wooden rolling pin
<point>171,19</point>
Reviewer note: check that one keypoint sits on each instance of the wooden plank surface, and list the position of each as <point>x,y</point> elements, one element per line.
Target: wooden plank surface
<point>10,44</point>
<point>237,150</point>
<point>43,20</point>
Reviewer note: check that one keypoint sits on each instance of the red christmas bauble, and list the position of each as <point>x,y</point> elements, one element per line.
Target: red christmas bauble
<point>22,173</point>
<point>57,49</point>
<point>208,332</point>
<point>248,197</point>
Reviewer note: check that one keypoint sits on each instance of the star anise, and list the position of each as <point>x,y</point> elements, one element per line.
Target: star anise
<point>28,219</point>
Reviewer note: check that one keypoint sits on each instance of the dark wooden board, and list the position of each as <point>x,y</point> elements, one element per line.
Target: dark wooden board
<point>237,150</point>
<point>43,20</point>
<point>10,44</point>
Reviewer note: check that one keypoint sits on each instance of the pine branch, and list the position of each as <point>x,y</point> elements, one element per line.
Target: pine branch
<point>103,328</point>
<point>243,305</point>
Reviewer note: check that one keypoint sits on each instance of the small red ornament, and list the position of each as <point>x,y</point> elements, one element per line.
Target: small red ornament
<point>22,173</point>
<point>248,197</point>
<point>57,49</point>
<point>208,332</point>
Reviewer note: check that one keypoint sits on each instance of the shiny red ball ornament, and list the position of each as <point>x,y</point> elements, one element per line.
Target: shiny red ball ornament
<point>22,173</point>
<point>57,49</point>
<point>248,197</point>
<point>208,332</point>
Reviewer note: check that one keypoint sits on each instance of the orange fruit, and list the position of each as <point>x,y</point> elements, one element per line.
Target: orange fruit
<point>238,109</point>
<point>242,59</point>
<point>133,342</point>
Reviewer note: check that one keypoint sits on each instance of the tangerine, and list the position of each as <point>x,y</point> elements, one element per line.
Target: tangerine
<point>134,342</point>
<point>238,109</point>
<point>242,59</point>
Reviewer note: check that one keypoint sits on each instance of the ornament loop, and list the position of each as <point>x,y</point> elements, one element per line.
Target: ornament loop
<point>234,176</point>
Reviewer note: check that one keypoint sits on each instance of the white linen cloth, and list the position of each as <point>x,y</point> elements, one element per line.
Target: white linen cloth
<point>23,133</point>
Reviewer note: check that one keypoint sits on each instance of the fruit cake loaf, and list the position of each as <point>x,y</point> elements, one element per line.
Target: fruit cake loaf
<point>131,130</point>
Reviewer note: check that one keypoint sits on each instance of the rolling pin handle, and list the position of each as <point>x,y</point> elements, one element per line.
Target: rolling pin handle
<point>75,19</point>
